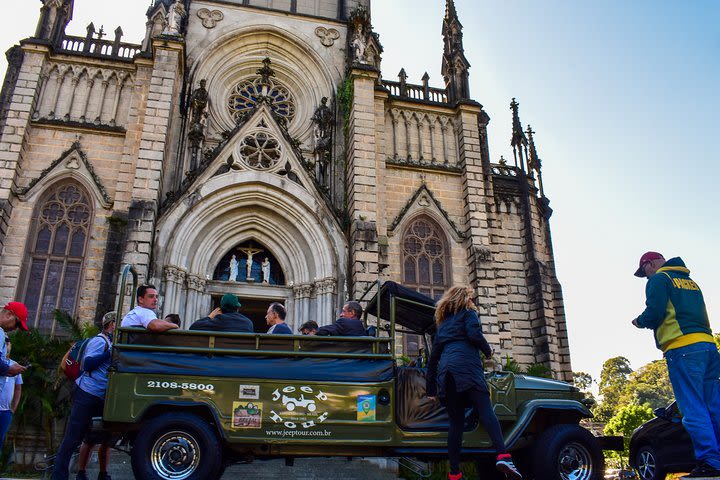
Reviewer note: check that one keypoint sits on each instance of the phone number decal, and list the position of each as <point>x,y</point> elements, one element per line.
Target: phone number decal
<point>182,386</point>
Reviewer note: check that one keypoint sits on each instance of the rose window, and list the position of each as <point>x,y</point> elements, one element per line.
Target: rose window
<point>260,150</point>
<point>247,94</point>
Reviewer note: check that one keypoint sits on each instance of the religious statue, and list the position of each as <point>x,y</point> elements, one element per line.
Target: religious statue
<point>233,269</point>
<point>250,251</point>
<point>359,45</point>
<point>322,135</point>
<point>199,102</point>
<point>198,114</point>
<point>265,270</point>
<point>174,18</point>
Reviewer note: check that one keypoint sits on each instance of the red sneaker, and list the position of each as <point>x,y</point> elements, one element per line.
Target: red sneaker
<point>455,476</point>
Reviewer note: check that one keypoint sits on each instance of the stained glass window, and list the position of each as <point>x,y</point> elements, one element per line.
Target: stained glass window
<point>61,225</point>
<point>425,260</point>
<point>247,93</point>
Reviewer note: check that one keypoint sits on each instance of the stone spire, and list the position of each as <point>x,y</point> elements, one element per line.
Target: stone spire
<point>454,66</point>
<point>519,141</point>
<point>534,162</point>
<point>54,18</point>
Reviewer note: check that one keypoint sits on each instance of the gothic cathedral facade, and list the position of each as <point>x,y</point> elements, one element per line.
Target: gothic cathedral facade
<point>253,147</point>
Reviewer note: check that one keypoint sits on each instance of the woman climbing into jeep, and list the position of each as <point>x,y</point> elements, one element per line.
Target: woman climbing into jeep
<point>456,376</point>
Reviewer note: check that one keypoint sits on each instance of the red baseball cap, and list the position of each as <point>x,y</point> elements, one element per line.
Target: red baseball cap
<point>20,311</point>
<point>647,257</point>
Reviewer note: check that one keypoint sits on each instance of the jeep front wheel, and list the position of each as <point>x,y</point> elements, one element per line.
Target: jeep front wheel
<point>177,446</point>
<point>568,452</point>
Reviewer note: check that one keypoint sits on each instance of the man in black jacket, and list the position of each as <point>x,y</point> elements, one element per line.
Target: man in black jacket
<point>226,318</point>
<point>349,323</point>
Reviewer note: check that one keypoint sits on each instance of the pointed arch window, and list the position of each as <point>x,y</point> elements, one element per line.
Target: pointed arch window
<point>425,266</point>
<point>61,227</point>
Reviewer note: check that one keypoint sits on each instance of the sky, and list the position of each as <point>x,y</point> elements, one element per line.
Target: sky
<point>622,97</point>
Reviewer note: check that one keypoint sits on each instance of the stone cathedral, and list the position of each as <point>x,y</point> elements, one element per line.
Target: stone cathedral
<point>254,147</point>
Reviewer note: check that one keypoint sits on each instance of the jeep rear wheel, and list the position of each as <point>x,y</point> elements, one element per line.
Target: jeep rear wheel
<point>568,452</point>
<point>177,446</point>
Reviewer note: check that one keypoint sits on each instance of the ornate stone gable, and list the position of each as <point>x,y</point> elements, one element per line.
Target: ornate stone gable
<point>72,163</point>
<point>423,201</point>
<point>259,143</point>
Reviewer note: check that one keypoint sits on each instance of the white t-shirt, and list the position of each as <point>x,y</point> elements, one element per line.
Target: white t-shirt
<point>138,317</point>
<point>8,391</point>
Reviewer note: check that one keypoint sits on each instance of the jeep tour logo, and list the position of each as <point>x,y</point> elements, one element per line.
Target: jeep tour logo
<point>302,407</point>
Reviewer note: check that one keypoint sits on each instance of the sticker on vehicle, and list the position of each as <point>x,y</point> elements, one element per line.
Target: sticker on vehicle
<point>366,408</point>
<point>246,415</point>
<point>249,392</point>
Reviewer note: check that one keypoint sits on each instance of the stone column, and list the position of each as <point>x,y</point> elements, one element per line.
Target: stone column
<point>21,103</point>
<point>174,286</point>
<point>302,293</point>
<point>165,84</point>
<point>478,244</point>
<point>195,303</point>
<point>362,166</point>
<point>325,293</point>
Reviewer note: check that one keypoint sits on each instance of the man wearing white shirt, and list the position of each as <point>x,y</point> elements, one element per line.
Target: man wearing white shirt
<point>143,315</point>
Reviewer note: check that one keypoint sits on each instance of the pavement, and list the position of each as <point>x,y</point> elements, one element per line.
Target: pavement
<point>303,469</point>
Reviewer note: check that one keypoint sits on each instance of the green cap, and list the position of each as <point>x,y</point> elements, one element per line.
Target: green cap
<point>229,301</point>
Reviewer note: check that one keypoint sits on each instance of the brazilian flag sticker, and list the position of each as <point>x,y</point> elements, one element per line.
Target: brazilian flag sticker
<point>366,408</point>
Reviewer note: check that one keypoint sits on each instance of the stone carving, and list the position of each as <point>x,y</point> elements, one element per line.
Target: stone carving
<point>265,270</point>
<point>210,18</point>
<point>174,274</point>
<point>174,19</point>
<point>482,254</point>
<point>363,45</point>
<point>233,269</point>
<point>327,35</point>
<point>303,290</point>
<point>197,283</point>
<point>322,135</point>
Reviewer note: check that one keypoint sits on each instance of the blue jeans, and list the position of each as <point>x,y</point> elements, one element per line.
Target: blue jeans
<point>5,421</point>
<point>84,408</point>
<point>695,376</point>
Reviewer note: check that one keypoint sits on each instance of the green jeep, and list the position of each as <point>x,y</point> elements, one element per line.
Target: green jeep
<point>190,402</point>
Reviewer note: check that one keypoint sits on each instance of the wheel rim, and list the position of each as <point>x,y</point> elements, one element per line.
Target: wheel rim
<point>575,462</point>
<point>175,455</point>
<point>646,465</point>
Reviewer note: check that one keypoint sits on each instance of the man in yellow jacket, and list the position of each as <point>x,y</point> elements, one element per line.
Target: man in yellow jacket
<point>675,311</point>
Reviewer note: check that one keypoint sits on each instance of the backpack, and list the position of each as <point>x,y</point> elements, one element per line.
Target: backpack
<point>70,363</point>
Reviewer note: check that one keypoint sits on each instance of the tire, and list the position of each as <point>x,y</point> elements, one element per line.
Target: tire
<point>177,446</point>
<point>290,406</point>
<point>568,452</point>
<point>648,466</point>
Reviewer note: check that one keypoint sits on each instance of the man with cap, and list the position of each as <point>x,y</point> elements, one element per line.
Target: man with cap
<point>675,311</point>
<point>12,316</point>
<point>226,318</point>
<point>88,399</point>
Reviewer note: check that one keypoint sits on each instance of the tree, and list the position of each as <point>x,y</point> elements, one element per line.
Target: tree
<point>613,378</point>
<point>625,421</point>
<point>648,385</point>
<point>582,380</point>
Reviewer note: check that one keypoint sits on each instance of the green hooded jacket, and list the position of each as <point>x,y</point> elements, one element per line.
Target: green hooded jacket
<point>675,308</point>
